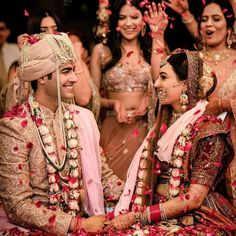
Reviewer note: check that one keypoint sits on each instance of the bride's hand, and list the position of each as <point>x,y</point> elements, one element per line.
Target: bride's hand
<point>122,221</point>
<point>179,6</point>
<point>156,18</point>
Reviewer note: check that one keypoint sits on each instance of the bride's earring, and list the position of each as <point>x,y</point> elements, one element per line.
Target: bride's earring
<point>162,94</point>
<point>183,100</point>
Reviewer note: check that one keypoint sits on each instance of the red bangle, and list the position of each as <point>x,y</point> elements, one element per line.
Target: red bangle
<point>78,223</point>
<point>155,213</point>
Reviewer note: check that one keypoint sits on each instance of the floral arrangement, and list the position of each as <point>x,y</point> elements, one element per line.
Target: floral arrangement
<point>103,14</point>
<point>63,190</point>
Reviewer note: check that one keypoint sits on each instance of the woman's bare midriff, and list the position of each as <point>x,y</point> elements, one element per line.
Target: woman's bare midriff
<point>131,100</point>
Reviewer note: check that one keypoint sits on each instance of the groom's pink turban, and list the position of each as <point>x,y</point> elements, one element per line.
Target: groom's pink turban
<point>42,54</point>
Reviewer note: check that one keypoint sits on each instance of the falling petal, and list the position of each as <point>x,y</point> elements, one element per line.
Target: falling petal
<point>135,132</point>
<point>39,121</point>
<point>24,123</point>
<point>26,13</point>
<point>125,151</point>
<point>163,128</point>
<point>218,164</point>
<point>129,53</point>
<point>29,145</point>
<point>38,204</point>
<point>52,219</point>
<point>118,28</point>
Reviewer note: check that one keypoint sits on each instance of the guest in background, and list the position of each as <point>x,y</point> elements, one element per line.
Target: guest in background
<point>8,51</point>
<point>124,70</point>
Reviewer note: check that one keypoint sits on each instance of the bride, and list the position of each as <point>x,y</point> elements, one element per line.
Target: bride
<point>176,177</point>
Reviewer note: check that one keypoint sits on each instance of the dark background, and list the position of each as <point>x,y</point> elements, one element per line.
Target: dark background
<point>82,15</point>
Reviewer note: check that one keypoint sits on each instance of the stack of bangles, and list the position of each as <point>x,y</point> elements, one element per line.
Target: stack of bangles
<point>154,213</point>
<point>78,225</point>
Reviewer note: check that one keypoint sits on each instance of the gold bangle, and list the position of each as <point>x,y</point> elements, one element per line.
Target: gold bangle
<point>78,72</point>
<point>188,21</point>
<point>157,50</point>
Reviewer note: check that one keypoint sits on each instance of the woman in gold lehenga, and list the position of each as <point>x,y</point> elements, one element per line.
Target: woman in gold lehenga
<point>176,176</point>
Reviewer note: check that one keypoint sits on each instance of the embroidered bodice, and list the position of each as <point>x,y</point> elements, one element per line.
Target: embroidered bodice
<point>123,78</point>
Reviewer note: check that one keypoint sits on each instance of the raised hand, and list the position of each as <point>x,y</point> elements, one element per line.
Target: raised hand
<point>179,6</point>
<point>21,39</point>
<point>156,18</point>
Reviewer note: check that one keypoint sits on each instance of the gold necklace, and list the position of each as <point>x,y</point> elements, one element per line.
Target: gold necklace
<point>216,56</point>
<point>175,116</point>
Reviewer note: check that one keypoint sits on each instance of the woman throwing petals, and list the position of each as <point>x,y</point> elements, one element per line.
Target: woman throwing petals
<point>121,68</point>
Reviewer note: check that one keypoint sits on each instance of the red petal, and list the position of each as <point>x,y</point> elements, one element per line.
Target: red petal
<point>52,219</point>
<point>26,13</point>
<point>135,132</point>
<point>38,204</point>
<point>66,189</point>
<point>24,123</point>
<point>39,121</point>
<point>163,128</point>
<point>129,53</point>
<point>29,145</point>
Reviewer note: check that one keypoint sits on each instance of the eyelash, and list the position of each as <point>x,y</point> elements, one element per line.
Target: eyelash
<point>163,77</point>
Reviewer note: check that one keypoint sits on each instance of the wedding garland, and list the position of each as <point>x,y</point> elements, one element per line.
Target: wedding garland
<point>63,190</point>
<point>181,150</point>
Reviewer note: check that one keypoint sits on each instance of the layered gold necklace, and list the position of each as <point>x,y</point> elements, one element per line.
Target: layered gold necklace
<point>216,56</point>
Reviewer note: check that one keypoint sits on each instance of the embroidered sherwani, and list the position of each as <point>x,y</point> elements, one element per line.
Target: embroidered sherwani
<point>23,175</point>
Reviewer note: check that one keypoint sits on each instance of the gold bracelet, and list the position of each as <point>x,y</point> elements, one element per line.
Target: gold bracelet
<point>157,50</point>
<point>188,21</point>
<point>78,72</point>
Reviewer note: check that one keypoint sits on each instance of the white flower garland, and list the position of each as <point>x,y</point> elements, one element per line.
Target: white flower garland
<point>63,190</point>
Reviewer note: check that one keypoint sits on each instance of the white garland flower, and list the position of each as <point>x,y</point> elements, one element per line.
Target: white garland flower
<point>43,129</point>
<point>54,188</point>
<point>73,153</point>
<point>72,143</point>
<point>69,124</point>
<point>73,205</point>
<point>74,194</point>
<point>178,152</point>
<point>178,162</point>
<point>52,178</point>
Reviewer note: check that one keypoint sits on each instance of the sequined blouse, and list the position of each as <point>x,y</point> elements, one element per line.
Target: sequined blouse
<point>123,78</point>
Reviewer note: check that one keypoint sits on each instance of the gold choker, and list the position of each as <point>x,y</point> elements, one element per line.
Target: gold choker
<point>216,56</point>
